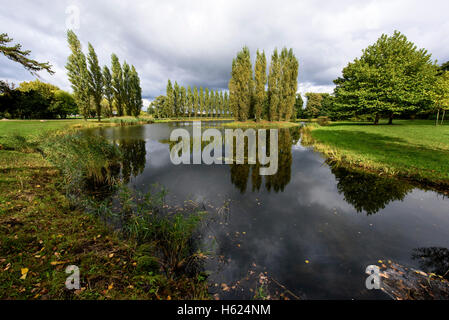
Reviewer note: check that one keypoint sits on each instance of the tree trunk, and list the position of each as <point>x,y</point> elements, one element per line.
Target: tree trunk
<point>376,120</point>
<point>438,117</point>
<point>442,119</point>
<point>390,120</point>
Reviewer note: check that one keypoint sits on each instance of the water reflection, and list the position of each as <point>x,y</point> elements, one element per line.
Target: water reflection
<point>433,260</point>
<point>240,173</point>
<point>134,158</point>
<point>368,192</point>
<point>307,211</point>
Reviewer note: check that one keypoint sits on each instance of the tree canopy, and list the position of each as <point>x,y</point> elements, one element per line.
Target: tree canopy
<point>391,77</point>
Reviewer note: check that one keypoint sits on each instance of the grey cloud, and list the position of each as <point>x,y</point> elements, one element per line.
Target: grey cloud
<point>194,42</point>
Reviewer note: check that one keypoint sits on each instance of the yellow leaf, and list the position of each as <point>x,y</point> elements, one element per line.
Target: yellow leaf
<point>24,272</point>
<point>111,286</point>
<point>55,263</point>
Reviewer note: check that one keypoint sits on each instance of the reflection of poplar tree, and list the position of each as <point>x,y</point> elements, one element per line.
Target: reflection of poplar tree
<point>282,177</point>
<point>134,160</point>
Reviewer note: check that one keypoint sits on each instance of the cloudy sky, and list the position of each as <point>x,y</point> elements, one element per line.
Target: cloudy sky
<point>194,42</point>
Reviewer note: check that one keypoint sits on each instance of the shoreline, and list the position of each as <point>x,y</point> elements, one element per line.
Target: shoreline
<point>341,157</point>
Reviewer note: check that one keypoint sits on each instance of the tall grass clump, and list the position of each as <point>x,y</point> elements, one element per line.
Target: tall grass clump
<point>169,232</point>
<point>150,219</point>
<point>84,160</point>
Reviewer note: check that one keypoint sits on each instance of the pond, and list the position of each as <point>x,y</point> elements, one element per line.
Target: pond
<point>311,228</point>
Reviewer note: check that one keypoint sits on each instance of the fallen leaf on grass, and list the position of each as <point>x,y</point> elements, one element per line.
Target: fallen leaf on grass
<point>55,263</point>
<point>24,272</point>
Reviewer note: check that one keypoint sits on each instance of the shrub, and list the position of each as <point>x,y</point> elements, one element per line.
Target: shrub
<point>323,120</point>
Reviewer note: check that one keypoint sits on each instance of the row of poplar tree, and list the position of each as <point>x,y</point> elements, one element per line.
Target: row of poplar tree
<point>249,95</point>
<point>180,102</point>
<point>91,84</point>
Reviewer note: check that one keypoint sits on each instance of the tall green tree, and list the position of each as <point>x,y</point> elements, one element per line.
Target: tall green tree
<point>126,90</point>
<point>440,95</point>
<point>207,100</point>
<point>299,103</point>
<point>241,85</point>
<point>201,101</point>
<point>260,80</point>
<point>274,90</point>
<point>117,83</point>
<point>314,104</point>
<point>176,99</point>
<point>108,89</point>
<point>95,80</point>
<point>135,93</point>
<point>292,69</point>
<point>190,101</point>
<point>169,101</point>
<point>184,108</point>
<point>78,74</point>
<point>444,67</point>
<point>391,77</point>
<point>196,101</point>
<point>227,107</point>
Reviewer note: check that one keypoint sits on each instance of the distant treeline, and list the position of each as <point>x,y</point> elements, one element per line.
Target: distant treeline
<point>182,102</point>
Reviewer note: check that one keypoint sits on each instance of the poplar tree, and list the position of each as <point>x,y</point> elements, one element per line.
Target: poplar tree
<point>221,104</point>
<point>240,85</point>
<point>207,102</point>
<point>135,93</point>
<point>190,102</point>
<point>169,101</point>
<point>293,66</point>
<point>95,80</point>
<point>196,101</point>
<point>126,90</point>
<point>107,88</point>
<point>78,74</point>
<point>201,97</point>
<point>273,87</point>
<point>260,80</point>
<point>184,107</point>
<point>117,83</point>
<point>283,84</point>
<point>226,104</point>
<point>176,99</point>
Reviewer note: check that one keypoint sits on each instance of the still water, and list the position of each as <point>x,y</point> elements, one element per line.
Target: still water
<point>311,229</point>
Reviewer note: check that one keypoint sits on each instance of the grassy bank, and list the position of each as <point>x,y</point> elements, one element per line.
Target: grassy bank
<point>416,150</point>
<point>261,124</point>
<point>42,232</point>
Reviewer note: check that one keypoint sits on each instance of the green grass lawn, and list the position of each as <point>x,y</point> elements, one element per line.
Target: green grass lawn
<point>415,149</point>
<point>41,232</point>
